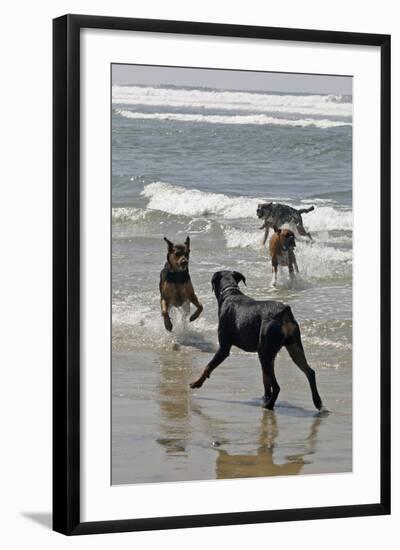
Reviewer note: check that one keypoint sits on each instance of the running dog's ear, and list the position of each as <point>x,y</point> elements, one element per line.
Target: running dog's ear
<point>187,243</point>
<point>239,277</point>
<point>170,245</point>
<point>215,278</point>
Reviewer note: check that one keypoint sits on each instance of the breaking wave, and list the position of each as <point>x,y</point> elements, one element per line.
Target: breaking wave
<point>259,120</point>
<point>192,202</point>
<point>312,104</point>
<point>178,200</point>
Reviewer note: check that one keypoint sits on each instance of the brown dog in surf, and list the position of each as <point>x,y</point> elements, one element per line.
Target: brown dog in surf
<point>176,288</point>
<point>281,248</point>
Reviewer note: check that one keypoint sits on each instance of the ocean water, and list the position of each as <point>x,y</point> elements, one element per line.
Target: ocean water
<point>197,162</point>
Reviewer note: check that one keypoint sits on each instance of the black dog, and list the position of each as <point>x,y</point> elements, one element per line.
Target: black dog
<point>278,214</point>
<point>261,326</point>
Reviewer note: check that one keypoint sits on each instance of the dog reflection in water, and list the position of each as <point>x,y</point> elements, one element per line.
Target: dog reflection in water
<point>174,406</point>
<point>262,463</point>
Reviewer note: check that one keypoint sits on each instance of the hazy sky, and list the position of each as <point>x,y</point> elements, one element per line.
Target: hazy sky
<point>231,80</point>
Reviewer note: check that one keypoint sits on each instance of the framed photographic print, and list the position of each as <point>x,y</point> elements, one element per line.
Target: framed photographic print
<point>221,274</point>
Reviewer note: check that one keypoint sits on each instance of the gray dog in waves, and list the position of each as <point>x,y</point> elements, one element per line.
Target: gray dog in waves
<point>262,326</point>
<point>279,214</point>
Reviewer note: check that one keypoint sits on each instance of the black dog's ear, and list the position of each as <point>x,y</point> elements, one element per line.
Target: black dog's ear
<point>239,277</point>
<point>187,243</point>
<point>215,278</point>
<point>170,245</point>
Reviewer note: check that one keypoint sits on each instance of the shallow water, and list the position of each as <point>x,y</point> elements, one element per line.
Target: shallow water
<point>202,173</point>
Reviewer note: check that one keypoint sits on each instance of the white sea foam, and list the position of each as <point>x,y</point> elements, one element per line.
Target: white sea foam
<point>128,215</point>
<point>326,343</point>
<point>259,120</point>
<point>137,322</point>
<point>237,238</point>
<point>319,261</point>
<point>327,218</point>
<point>316,260</point>
<point>192,202</point>
<point>325,105</point>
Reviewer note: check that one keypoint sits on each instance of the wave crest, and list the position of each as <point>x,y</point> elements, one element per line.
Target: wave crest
<point>259,120</point>
<point>312,104</point>
<point>192,202</point>
<point>174,199</point>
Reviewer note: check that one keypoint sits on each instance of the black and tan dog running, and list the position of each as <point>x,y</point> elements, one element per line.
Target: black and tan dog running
<point>256,326</point>
<point>176,288</point>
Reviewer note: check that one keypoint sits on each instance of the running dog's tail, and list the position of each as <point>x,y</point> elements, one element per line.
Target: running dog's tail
<point>305,210</point>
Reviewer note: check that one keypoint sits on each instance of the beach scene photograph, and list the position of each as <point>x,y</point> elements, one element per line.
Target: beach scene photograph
<point>231,267</point>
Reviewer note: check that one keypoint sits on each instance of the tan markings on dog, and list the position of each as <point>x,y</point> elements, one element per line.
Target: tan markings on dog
<point>177,295</point>
<point>288,329</point>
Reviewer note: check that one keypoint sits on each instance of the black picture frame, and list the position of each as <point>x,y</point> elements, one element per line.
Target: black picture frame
<point>66,273</point>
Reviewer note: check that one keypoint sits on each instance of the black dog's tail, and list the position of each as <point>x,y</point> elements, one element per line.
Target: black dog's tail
<point>305,210</point>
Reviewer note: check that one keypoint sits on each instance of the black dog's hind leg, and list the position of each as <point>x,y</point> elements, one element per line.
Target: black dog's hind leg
<point>302,231</point>
<point>267,387</point>
<point>221,354</point>
<point>296,352</point>
<point>271,341</point>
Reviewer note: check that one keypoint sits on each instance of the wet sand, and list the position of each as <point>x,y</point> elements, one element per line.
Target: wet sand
<point>164,431</point>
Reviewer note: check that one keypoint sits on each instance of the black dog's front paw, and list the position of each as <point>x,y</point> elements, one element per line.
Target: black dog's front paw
<point>197,384</point>
<point>267,404</point>
<point>265,399</point>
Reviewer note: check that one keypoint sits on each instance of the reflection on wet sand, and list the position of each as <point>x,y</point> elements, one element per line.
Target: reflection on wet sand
<point>163,431</point>
<point>182,417</point>
<point>174,402</point>
<point>262,463</point>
